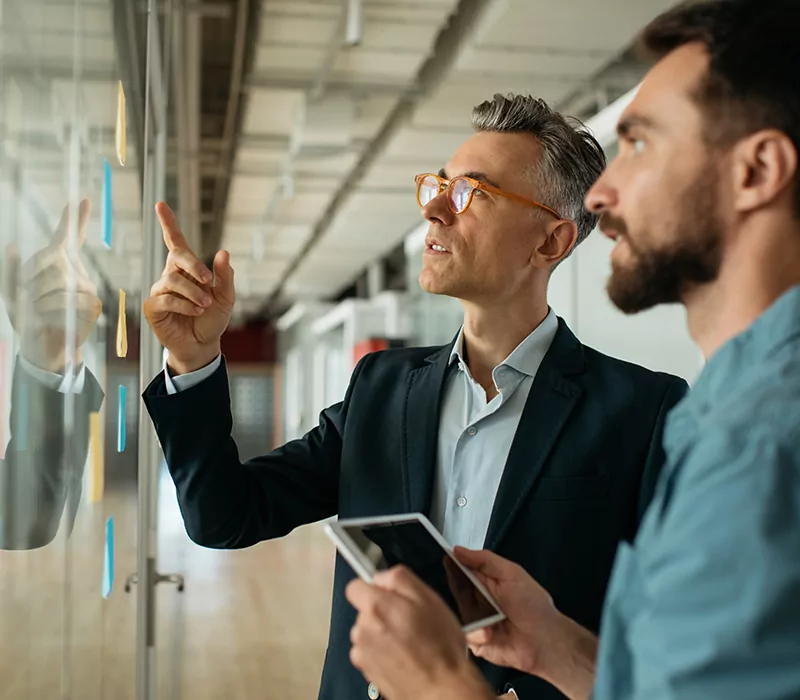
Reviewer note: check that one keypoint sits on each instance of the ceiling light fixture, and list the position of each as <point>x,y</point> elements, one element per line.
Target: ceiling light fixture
<point>354,32</point>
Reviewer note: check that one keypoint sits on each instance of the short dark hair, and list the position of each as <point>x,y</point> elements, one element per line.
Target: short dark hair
<point>754,51</point>
<point>572,159</point>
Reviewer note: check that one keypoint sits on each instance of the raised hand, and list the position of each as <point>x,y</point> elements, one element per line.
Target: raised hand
<point>37,296</point>
<point>186,313</point>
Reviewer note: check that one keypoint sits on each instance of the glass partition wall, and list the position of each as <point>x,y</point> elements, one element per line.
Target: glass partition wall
<point>75,248</point>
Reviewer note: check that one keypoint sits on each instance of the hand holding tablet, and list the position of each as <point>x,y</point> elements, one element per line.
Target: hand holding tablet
<point>374,544</point>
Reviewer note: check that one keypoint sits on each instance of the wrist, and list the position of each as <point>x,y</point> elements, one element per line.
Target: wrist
<point>569,660</point>
<point>464,683</point>
<point>185,364</point>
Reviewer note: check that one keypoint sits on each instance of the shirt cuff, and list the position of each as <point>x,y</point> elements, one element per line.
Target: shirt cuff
<point>186,381</point>
<point>67,383</point>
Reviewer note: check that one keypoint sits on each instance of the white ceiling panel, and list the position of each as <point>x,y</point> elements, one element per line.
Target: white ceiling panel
<point>248,196</point>
<point>43,16</point>
<point>577,25</point>
<point>433,147</point>
<point>272,111</point>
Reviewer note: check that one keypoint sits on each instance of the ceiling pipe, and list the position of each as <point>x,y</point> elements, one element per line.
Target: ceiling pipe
<point>186,183</point>
<point>231,121</point>
<point>193,58</point>
<point>461,27</point>
<point>354,31</point>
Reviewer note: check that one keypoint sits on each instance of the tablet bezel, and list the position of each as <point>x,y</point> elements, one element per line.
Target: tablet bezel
<point>365,569</point>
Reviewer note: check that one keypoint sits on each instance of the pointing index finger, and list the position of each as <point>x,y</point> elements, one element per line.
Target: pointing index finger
<point>173,236</point>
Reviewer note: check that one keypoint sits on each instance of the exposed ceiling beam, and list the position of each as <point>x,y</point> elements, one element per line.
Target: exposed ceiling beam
<point>231,118</point>
<point>58,70</point>
<point>245,42</point>
<point>305,82</point>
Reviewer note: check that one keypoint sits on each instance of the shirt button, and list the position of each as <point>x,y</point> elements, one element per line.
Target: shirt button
<point>472,431</point>
<point>462,501</point>
<point>373,692</point>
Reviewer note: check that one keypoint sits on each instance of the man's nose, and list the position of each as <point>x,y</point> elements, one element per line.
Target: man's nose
<point>437,210</point>
<point>601,197</point>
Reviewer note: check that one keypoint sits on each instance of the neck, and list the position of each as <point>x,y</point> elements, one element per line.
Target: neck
<point>758,269</point>
<point>492,332</point>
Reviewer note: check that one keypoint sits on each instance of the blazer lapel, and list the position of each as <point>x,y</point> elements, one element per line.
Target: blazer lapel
<point>550,403</point>
<point>422,409</point>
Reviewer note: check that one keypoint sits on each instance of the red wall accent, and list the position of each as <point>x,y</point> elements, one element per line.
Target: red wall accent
<point>252,343</point>
<point>365,347</point>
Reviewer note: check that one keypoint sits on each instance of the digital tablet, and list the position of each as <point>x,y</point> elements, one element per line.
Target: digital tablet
<point>374,544</point>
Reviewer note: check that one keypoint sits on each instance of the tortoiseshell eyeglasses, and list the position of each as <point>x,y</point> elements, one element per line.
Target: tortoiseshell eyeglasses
<point>461,191</point>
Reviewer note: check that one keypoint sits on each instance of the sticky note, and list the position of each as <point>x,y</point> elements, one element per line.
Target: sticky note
<point>122,145</point>
<point>108,559</point>
<point>122,327</point>
<point>121,432</point>
<point>96,475</point>
<point>106,209</point>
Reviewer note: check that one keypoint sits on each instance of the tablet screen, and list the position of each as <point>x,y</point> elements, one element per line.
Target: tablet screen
<point>410,544</point>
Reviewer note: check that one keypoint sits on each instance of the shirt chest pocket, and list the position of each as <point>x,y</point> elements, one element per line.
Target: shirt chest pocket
<point>571,488</point>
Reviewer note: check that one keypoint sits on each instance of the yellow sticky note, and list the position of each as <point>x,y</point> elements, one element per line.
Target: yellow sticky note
<point>122,146</point>
<point>122,327</point>
<point>96,472</point>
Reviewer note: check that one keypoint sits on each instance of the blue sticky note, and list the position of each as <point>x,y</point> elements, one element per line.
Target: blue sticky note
<point>108,560</point>
<point>106,209</point>
<point>121,432</point>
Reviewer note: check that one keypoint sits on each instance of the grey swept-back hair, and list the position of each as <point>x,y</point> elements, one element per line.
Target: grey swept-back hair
<point>571,161</point>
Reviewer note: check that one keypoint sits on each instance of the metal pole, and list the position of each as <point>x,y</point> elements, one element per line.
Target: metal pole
<point>146,555</point>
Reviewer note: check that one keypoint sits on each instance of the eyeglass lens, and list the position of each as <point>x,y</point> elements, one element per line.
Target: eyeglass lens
<point>458,193</point>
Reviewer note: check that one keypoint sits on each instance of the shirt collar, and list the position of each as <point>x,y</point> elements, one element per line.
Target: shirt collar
<point>778,326</point>
<point>527,356</point>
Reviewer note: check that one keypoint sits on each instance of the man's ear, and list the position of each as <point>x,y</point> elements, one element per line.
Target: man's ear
<point>560,240</point>
<point>765,167</point>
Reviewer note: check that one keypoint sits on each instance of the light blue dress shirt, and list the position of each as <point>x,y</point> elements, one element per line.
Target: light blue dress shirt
<point>70,382</point>
<point>475,436</point>
<point>706,604</point>
<point>182,382</point>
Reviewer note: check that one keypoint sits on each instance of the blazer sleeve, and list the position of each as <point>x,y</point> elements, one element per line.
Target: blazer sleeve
<point>228,504</point>
<point>675,393</point>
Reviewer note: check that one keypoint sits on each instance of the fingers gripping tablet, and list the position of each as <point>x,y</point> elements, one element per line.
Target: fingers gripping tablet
<point>370,545</point>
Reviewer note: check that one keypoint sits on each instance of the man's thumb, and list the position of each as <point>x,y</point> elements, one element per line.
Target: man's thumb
<point>223,276</point>
<point>483,562</point>
<point>61,234</point>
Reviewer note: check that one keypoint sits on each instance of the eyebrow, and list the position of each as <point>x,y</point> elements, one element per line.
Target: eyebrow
<point>482,177</point>
<point>627,124</point>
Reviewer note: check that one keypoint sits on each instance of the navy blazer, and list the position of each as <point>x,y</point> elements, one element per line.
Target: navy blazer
<point>580,473</point>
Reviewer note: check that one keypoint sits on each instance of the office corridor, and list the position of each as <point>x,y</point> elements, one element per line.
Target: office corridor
<point>251,624</point>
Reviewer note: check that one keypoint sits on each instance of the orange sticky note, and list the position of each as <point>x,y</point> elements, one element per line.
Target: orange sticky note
<point>96,472</point>
<point>122,128</point>
<point>122,327</point>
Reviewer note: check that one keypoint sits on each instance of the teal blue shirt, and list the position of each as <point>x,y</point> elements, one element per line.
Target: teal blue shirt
<point>706,604</point>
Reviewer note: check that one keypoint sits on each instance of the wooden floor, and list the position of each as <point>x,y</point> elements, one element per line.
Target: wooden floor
<point>251,625</point>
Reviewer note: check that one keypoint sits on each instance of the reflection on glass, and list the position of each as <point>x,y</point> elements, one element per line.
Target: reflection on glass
<point>52,306</point>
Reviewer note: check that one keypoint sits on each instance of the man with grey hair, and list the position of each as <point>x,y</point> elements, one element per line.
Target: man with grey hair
<point>514,437</point>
